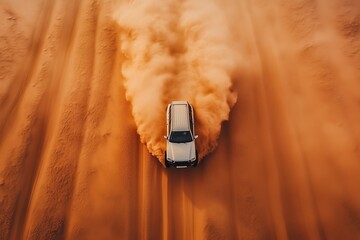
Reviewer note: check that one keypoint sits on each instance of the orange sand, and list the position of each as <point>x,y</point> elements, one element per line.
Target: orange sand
<point>287,164</point>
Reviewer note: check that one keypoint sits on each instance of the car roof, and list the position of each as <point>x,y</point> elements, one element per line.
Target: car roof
<point>180,116</point>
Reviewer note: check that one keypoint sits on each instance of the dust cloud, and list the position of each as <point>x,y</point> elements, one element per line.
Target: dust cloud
<point>176,50</point>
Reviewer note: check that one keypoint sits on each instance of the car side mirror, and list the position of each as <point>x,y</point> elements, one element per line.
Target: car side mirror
<point>196,136</point>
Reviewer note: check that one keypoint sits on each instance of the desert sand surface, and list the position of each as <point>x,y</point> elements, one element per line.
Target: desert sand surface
<point>83,90</point>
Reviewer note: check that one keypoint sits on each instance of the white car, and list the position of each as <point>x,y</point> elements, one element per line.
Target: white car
<point>180,139</point>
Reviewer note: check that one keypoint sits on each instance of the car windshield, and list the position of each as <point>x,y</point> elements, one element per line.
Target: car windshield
<point>180,137</point>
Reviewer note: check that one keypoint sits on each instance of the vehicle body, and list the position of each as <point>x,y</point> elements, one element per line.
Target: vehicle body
<point>180,135</point>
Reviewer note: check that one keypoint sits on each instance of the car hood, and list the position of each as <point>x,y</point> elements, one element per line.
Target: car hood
<point>181,151</point>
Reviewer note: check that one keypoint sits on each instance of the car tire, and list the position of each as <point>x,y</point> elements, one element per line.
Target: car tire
<point>196,160</point>
<point>166,161</point>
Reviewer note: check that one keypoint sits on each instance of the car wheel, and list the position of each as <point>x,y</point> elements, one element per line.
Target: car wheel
<point>196,160</point>
<point>166,161</point>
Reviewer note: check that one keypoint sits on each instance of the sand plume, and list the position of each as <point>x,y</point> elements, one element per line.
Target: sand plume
<point>176,50</point>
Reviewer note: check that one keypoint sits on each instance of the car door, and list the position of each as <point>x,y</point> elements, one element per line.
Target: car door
<point>191,118</point>
<point>168,119</point>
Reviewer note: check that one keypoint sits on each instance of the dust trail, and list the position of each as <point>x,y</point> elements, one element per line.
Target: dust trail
<point>176,50</point>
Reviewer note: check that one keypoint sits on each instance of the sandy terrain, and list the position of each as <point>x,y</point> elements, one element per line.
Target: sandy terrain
<point>78,80</point>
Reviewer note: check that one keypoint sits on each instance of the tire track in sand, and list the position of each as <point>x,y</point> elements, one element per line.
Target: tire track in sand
<point>69,92</point>
<point>17,170</point>
<point>45,79</point>
<point>100,176</point>
<point>285,160</point>
<point>10,102</point>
